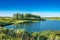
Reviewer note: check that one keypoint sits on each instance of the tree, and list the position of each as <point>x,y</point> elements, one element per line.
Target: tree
<point>30,16</point>
<point>18,16</point>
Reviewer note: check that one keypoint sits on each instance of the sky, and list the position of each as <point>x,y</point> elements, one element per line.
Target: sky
<point>44,8</point>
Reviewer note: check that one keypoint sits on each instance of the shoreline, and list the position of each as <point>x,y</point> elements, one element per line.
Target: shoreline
<point>17,22</point>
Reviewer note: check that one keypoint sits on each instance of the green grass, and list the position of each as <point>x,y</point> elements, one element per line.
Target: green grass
<point>23,35</point>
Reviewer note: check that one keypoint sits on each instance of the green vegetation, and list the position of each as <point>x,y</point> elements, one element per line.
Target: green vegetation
<point>6,34</point>
<point>19,18</point>
<point>9,34</point>
<point>28,16</point>
<point>5,21</point>
<point>52,18</point>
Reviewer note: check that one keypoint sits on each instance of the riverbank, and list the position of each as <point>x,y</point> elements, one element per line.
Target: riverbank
<point>6,34</point>
<point>5,23</point>
<point>24,21</point>
<point>53,19</point>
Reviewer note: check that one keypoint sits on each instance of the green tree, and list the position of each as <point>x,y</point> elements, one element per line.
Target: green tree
<point>18,16</point>
<point>30,16</point>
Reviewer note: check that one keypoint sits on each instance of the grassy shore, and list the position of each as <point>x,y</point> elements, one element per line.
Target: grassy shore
<point>8,34</point>
<point>4,22</point>
<point>24,21</point>
<point>53,19</point>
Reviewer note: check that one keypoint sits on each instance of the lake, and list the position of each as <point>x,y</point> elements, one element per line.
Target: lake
<point>37,26</point>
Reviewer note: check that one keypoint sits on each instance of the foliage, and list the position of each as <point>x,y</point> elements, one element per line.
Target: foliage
<point>25,16</point>
<point>6,34</point>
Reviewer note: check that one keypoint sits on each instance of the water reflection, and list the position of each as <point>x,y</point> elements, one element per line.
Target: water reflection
<point>37,26</point>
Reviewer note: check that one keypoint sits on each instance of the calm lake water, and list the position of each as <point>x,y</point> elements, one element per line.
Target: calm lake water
<point>37,26</point>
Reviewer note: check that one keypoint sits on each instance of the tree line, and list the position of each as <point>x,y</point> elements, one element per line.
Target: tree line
<point>19,16</point>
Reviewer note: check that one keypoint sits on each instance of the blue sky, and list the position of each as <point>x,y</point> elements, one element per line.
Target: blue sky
<point>45,8</point>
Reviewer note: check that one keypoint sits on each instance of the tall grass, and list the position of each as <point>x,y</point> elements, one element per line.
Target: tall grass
<point>9,34</point>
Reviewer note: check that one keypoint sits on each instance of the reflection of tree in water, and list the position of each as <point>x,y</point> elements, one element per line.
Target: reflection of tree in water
<point>18,26</point>
<point>28,26</point>
<point>32,26</point>
<point>21,26</point>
